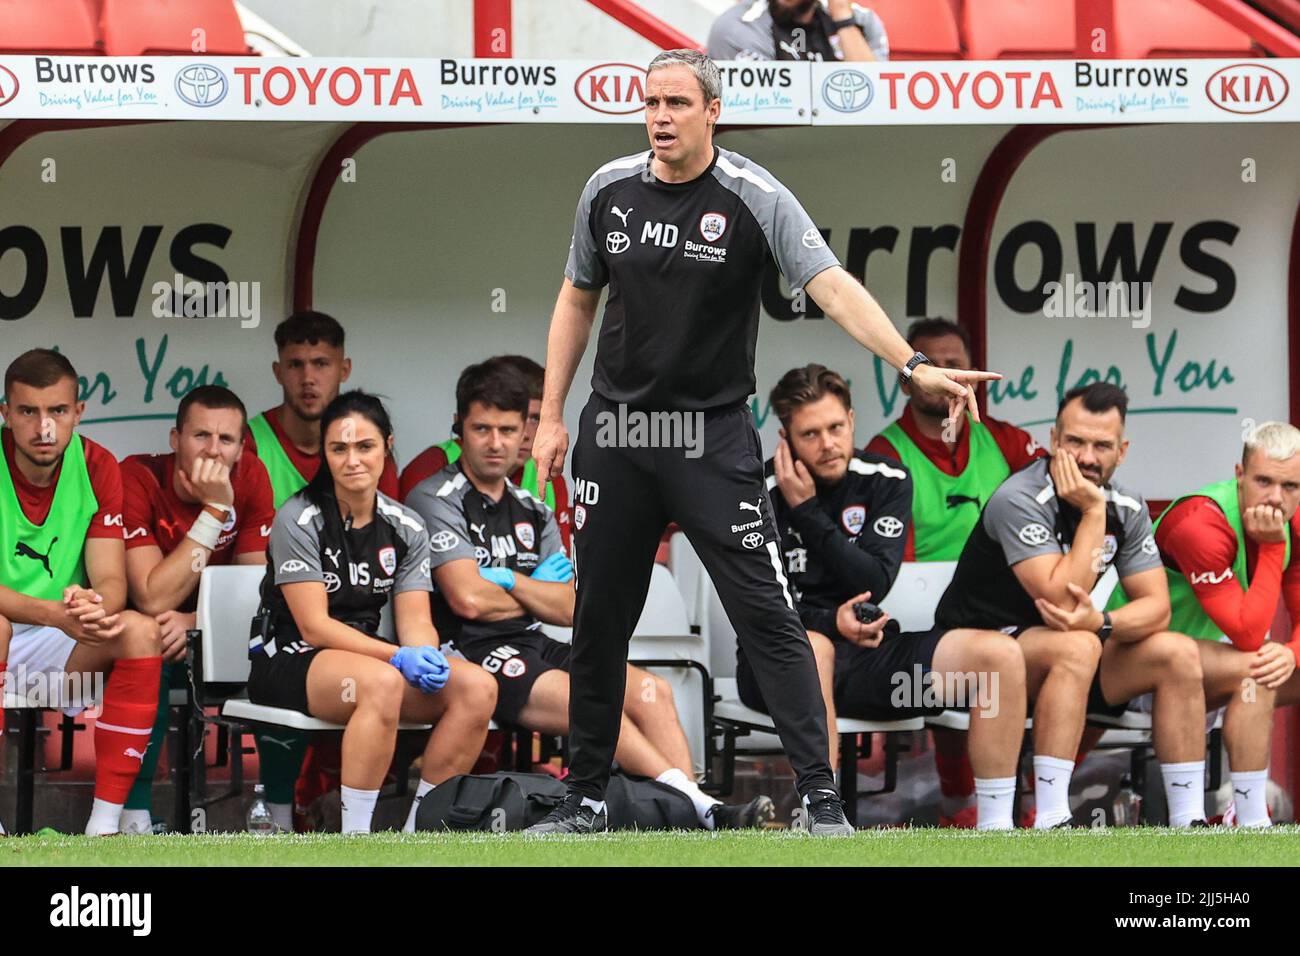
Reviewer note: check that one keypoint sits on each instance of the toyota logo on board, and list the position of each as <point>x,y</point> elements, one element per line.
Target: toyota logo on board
<point>8,85</point>
<point>613,88</point>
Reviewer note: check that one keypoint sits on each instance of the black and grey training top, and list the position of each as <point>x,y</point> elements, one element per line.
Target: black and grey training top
<point>361,568</point>
<point>518,532</point>
<point>684,265</point>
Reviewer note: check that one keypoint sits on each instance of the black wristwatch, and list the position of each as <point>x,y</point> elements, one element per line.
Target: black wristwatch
<point>846,22</point>
<point>917,359</point>
<point>1103,632</point>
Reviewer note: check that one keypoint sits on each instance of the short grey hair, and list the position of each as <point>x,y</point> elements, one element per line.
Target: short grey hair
<point>1277,440</point>
<point>705,70</point>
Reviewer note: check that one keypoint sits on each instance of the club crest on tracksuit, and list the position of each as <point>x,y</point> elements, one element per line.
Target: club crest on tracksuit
<point>853,518</point>
<point>524,532</point>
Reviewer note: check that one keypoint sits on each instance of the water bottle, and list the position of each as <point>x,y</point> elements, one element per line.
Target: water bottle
<point>260,822</point>
<point>1128,805</point>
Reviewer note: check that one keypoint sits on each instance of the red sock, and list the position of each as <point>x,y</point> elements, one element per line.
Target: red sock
<point>956,778</point>
<point>123,728</point>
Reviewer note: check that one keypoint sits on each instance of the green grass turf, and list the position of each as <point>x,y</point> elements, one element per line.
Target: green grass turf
<point>921,847</point>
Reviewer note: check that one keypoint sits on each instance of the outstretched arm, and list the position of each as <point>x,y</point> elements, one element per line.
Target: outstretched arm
<point>847,302</point>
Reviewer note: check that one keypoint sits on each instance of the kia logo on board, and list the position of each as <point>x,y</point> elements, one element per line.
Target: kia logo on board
<point>613,88</point>
<point>1246,88</point>
<point>8,85</point>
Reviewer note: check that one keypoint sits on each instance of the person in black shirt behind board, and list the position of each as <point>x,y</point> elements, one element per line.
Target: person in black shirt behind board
<point>339,552</point>
<point>681,234</point>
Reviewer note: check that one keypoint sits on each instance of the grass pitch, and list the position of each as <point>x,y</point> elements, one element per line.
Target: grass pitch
<point>1150,846</point>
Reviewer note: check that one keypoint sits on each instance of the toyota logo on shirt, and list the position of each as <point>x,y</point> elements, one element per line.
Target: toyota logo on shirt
<point>616,242</point>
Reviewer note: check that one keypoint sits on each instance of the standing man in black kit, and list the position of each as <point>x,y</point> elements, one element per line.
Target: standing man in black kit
<point>681,234</point>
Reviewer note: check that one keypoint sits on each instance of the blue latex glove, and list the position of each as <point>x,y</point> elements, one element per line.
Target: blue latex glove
<point>502,576</point>
<point>435,677</point>
<point>557,567</point>
<point>422,664</point>
<point>411,663</point>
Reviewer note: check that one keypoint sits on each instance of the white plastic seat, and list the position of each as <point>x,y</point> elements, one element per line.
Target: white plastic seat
<point>663,633</point>
<point>960,720</point>
<point>687,569</point>
<point>916,592</point>
<point>731,708</point>
<point>228,600</point>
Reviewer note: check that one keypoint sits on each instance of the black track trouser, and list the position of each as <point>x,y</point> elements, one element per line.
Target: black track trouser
<point>623,500</point>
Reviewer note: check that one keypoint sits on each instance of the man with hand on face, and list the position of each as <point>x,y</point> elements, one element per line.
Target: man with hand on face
<point>798,30</point>
<point>842,516</point>
<point>1227,552</point>
<point>501,572</point>
<point>1040,546</point>
<point>311,366</point>
<point>205,503</point>
<point>63,573</point>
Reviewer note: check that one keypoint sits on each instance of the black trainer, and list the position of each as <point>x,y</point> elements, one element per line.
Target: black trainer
<point>743,816</point>
<point>825,812</point>
<point>571,816</point>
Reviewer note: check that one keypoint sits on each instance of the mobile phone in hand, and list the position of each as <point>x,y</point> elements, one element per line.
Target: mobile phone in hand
<point>867,612</point>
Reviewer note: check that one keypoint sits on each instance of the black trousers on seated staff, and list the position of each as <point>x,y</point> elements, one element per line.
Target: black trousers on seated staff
<point>623,500</point>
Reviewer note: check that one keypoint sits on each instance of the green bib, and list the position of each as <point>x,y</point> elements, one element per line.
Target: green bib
<point>41,560</point>
<point>940,531</point>
<point>1186,614</point>
<point>286,479</point>
<point>528,482</point>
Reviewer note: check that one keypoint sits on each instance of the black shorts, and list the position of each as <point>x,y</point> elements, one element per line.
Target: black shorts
<point>516,661</point>
<point>870,683</point>
<point>280,679</point>
<point>1096,699</point>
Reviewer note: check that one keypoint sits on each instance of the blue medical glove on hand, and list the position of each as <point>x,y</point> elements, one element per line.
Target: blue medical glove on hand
<point>437,670</point>
<point>411,663</point>
<point>557,567</point>
<point>502,576</point>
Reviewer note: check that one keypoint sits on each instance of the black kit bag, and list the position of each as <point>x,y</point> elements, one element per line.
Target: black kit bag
<point>503,802</point>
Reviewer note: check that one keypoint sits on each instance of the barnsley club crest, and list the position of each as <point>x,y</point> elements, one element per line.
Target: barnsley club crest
<point>853,518</point>
<point>713,225</point>
<point>524,532</point>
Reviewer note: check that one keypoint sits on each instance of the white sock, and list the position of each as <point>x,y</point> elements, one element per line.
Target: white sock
<point>1184,791</point>
<point>358,808</point>
<point>104,819</point>
<point>281,815</point>
<point>1250,798</point>
<point>424,787</point>
<point>993,799</point>
<point>136,821</point>
<point>1052,791</point>
<point>677,779</point>
<point>597,805</point>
